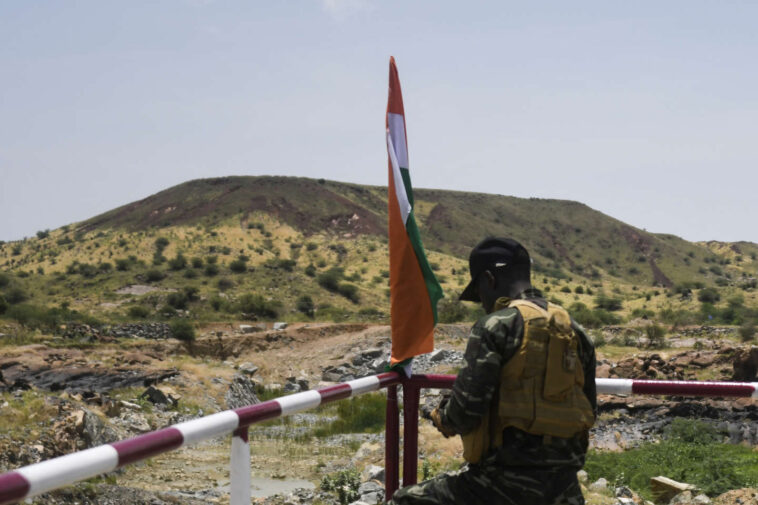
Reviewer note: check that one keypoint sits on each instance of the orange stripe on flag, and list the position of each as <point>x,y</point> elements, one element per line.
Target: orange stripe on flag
<point>412,317</point>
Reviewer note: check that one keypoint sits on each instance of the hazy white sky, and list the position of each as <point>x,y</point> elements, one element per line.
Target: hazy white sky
<point>646,111</point>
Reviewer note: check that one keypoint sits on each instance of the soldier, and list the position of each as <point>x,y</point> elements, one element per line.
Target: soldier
<point>525,399</point>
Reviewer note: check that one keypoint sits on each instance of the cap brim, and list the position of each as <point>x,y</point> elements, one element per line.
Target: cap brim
<point>470,294</point>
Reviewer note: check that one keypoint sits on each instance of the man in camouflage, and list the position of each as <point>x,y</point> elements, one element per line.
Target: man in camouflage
<point>519,462</point>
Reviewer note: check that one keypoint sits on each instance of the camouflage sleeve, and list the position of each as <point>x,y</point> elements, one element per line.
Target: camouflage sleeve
<point>587,357</point>
<point>492,342</point>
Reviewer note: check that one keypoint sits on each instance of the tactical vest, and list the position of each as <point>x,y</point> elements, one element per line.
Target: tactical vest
<point>540,389</point>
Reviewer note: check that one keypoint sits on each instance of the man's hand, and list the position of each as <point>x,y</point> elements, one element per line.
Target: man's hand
<point>437,421</point>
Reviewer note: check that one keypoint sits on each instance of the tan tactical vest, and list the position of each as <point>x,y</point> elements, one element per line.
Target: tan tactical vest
<point>540,388</point>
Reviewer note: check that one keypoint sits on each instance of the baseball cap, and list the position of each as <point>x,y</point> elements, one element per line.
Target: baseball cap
<point>489,254</point>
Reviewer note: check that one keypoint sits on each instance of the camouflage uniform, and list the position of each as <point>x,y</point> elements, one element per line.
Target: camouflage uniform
<point>527,469</point>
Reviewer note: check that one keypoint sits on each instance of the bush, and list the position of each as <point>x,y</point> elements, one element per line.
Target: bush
<point>238,266</point>
<point>608,303</point>
<point>4,280</point>
<point>746,331</point>
<point>154,276</point>
<point>225,284</point>
<point>177,300</point>
<point>211,269</point>
<point>3,305</point>
<point>592,318</point>
<point>362,414</point>
<point>161,243</point>
<point>655,336</point>
<point>345,482</point>
<point>305,305</point>
<point>138,311</point>
<point>310,270</point>
<point>178,263</point>
<point>197,262</point>
<point>122,265</point>
<point>349,291</point>
<point>330,280</point>
<point>43,234</point>
<point>257,306</point>
<point>278,263</point>
<point>708,295</point>
<point>452,310</point>
<point>183,330</point>
<point>16,295</point>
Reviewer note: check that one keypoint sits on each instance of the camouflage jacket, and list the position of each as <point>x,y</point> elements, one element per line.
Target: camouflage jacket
<point>486,352</point>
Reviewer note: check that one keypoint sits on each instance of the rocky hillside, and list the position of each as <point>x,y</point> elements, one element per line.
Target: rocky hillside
<point>281,247</point>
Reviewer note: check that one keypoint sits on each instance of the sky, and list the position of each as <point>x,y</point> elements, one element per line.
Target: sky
<point>646,111</point>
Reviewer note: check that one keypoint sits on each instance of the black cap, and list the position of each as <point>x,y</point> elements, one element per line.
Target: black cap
<point>489,254</point>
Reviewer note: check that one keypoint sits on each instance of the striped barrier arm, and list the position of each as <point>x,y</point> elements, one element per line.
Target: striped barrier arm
<point>58,472</point>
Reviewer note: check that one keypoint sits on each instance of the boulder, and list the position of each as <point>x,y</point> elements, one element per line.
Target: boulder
<point>664,489</point>
<point>582,477</point>
<point>280,326</point>
<point>161,396</point>
<point>599,485</point>
<point>241,392</point>
<point>371,492</point>
<point>373,472</point>
<point>248,368</point>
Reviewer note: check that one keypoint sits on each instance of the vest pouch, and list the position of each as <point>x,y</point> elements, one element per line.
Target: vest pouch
<point>477,442</point>
<point>562,361</point>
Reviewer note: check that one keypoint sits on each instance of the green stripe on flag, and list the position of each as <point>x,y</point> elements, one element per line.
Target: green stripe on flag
<point>432,285</point>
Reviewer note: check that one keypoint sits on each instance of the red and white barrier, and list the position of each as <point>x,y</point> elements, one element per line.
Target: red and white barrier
<point>55,473</point>
<point>48,475</point>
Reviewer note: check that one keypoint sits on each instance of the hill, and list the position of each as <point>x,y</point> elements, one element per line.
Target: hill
<point>281,246</point>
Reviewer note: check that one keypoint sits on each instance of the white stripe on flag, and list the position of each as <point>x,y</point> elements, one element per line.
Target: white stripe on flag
<point>402,196</point>
<point>397,132</point>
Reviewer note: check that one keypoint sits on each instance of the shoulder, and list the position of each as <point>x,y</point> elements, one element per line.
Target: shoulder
<point>501,322</point>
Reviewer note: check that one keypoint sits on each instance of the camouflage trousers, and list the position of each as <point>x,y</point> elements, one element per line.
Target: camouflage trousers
<point>488,485</point>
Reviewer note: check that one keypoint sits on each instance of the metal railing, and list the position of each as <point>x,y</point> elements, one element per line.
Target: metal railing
<point>52,474</point>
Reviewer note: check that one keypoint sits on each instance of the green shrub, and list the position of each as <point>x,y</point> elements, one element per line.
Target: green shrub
<point>565,289</point>
<point>154,275</point>
<point>178,263</point>
<point>211,269</point>
<point>190,274</point>
<point>278,263</point>
<point>330,280</point>
<point>5,279</point>
<point>225,284</point>
<point>656,336</point>
<point>183,330</point>
<point>579,290</point>
<point>257,306</point>
<point>161,243</point>
<point>177,300</point>
<point>238,266</point>
<point>345,482</point>
<point>605,302</point>
<point>708,295</point>
<point>16,295</point>
<point>452,310</point>
<point>746,331</point>
<point>122,265</point>
<point>592,318</point>
<point>349,291</point>
<point>197,262</point>
<point>43,234</point>
<point>3,305</point>
<point>690,453</point>
<point>305,305</point>
<point>310,270</point>
<point>138,311</point>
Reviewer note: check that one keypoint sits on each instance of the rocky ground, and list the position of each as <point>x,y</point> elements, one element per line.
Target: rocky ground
<point>64,396</point>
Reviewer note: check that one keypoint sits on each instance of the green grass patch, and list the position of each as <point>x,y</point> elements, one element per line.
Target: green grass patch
<point>362,414</point>
<point>691,453</point>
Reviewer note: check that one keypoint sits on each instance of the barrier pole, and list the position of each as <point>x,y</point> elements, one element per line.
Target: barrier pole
<point>240,484</point>
<point>391,445</point>
<point>411,393</point>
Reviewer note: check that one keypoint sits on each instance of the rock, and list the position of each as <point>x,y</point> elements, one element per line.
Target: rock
<point>603,371</point>
<point>280,326</point>
<point>438,355</point>
<point>371,492</point>
<point>683,498</point>
<point>241,392</point>
<point>623,492</point>
<point>93,430</point>
<point>161,396</point>
<point>135,422</point>
<point>599,485</point>
<point>701,499</point>
<point>373,472</point>
<point>664,489</point>
<point>303,383</point>
<point>746,365</point>
<point>292,387</point>
<point>252,328</point>
<point>624,501</point>
<point>248,368</point>
<point>582,476</point>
